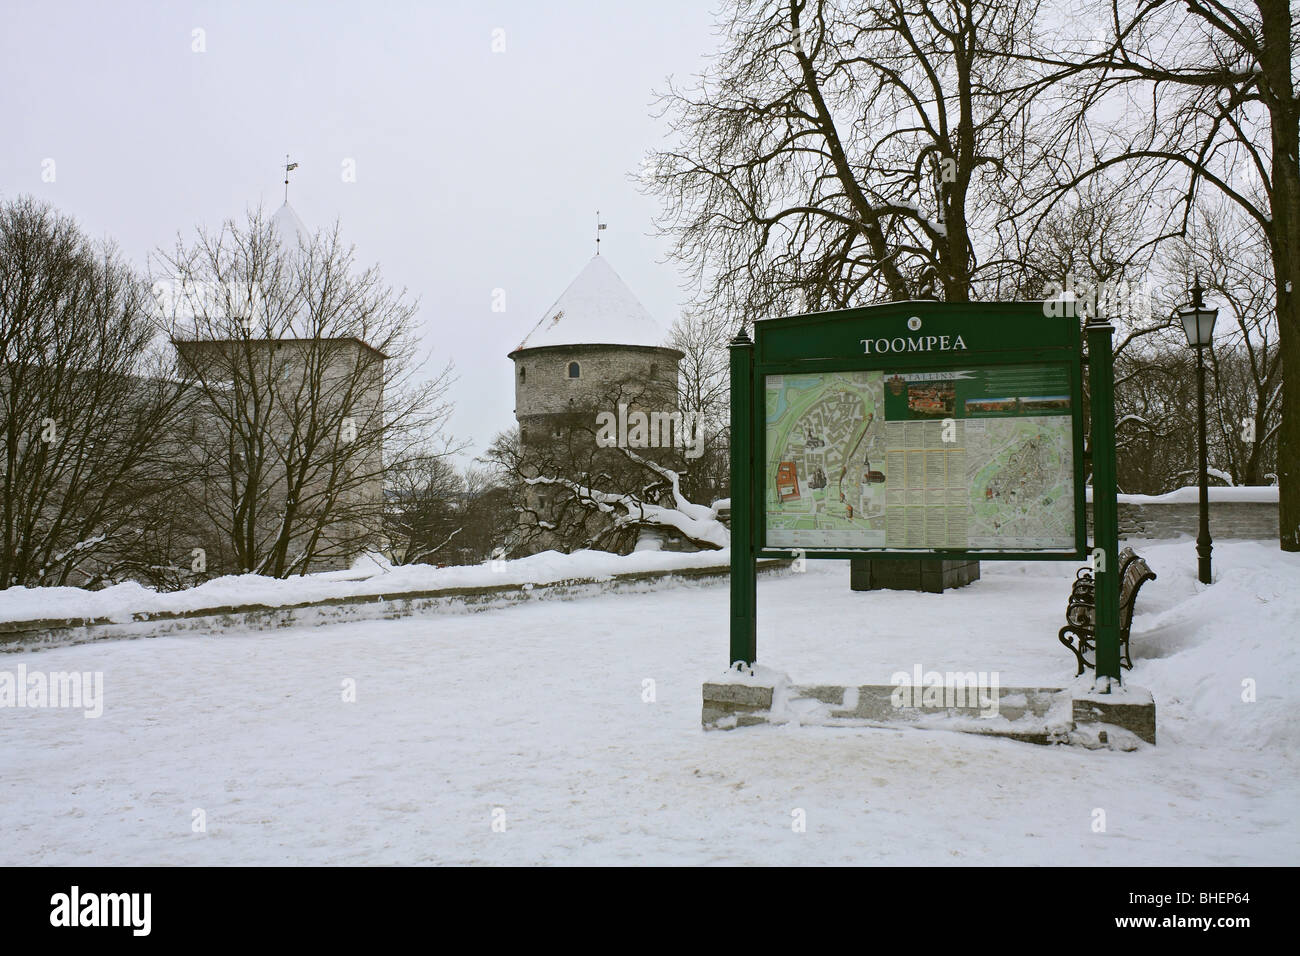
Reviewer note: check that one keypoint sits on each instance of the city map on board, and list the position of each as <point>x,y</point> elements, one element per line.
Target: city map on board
<point>979,459</point>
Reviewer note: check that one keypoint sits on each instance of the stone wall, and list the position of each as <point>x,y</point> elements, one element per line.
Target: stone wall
<point>1228,519</point>
<point>543,386</point>
<point>283,372</point>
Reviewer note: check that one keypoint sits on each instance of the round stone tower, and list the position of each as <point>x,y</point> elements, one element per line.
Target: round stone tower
<point>594,350</point>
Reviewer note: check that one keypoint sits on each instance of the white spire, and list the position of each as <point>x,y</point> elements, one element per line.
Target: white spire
<point>596,309</point>
<point>288,227</point>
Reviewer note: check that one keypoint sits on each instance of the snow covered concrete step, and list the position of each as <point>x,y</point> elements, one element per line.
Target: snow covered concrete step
<point>1125,710</point>
<point>1041,715</point>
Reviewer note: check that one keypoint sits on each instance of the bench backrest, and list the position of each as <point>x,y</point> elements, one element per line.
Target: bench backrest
<point>1135,572</point>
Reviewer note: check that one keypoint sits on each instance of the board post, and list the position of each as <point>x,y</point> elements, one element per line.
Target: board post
<point>1105,508</point>
<point>744,586</point>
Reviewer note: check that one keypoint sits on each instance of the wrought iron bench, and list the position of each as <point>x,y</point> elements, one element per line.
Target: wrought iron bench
<point>1080,613</point>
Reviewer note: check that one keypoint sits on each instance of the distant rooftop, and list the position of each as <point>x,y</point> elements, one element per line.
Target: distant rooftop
<point>596,309</point>
<point>289,227</point>
<point>183,344</point>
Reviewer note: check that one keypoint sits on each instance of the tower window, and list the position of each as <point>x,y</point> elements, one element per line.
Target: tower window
<point>523,375</point>
<point>574,370</point>
<point>654,370</point>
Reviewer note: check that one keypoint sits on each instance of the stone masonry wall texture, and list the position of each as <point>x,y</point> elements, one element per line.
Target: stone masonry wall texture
<point>546,389</point>
<point>1227,520</point>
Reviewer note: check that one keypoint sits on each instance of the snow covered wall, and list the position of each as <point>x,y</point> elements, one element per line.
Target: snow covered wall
<point>53,616</point>
<point>1234,513</point>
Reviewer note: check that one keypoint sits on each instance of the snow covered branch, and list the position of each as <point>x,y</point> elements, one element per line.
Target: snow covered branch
<point>698,523</point>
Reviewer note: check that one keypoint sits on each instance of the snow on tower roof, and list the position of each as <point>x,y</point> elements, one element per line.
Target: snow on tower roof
<point>596,309</point>
<point>288,227</point>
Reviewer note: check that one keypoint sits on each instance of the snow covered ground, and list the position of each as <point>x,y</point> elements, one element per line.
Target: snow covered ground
<point>538,710</point>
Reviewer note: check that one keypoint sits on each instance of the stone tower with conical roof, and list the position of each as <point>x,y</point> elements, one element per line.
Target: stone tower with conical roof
<point>594,349</point>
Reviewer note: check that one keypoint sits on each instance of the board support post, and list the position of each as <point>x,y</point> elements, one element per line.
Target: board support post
<point>744,586</point>
<point>1105,509</point>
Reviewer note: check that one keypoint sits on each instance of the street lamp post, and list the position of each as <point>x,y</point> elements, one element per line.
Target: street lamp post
<point>1198,326</point>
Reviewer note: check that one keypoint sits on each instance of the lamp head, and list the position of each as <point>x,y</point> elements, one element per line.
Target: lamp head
<point>1198,321</point>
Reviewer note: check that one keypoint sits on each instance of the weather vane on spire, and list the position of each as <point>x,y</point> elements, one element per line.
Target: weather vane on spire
<point>288,166</point>
<point>599,226</point>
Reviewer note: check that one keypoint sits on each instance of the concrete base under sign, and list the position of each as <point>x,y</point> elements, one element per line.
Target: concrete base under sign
<point>906,575</point>
<point>1043,715</point>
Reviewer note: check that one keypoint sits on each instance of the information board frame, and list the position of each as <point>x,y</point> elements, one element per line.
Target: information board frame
<point>918,337</point>
<point>1016,332</point>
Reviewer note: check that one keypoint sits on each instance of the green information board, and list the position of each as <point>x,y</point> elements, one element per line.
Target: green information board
<point>971,458</point>
<point>907,430</point>
<point>922,430</point>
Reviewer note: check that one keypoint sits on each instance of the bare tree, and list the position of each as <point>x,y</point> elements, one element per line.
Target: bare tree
<point>1093,250</point>
<point>489,524</point>
<point>572,488</point>
<point>1155,379</point>
<point>423,514</point>
<point>310,388</point>
<point>503,462</point>
<point>1229,256</point>
<point>87,393</point>
<point>848,151</point>
<point>704,396</point>
<point>1181,97</point>
<point>1155,408</point>
<point>1156,419</point>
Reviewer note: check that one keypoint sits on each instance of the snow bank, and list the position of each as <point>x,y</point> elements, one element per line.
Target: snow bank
<point>1204,651</point>
<point>1191,495</point>
<point>120,602</point>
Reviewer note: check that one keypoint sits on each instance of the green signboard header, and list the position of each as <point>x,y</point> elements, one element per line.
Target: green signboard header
<point>926,332</point>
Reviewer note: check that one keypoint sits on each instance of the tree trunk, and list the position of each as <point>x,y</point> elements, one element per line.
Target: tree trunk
<point>1288,436</point>
<point>1284,235</point>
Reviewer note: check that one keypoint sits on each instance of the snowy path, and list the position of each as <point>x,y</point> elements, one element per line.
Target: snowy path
<point>538,710</point>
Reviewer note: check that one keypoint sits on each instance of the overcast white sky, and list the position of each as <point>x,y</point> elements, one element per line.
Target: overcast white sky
<point>474,170</point>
